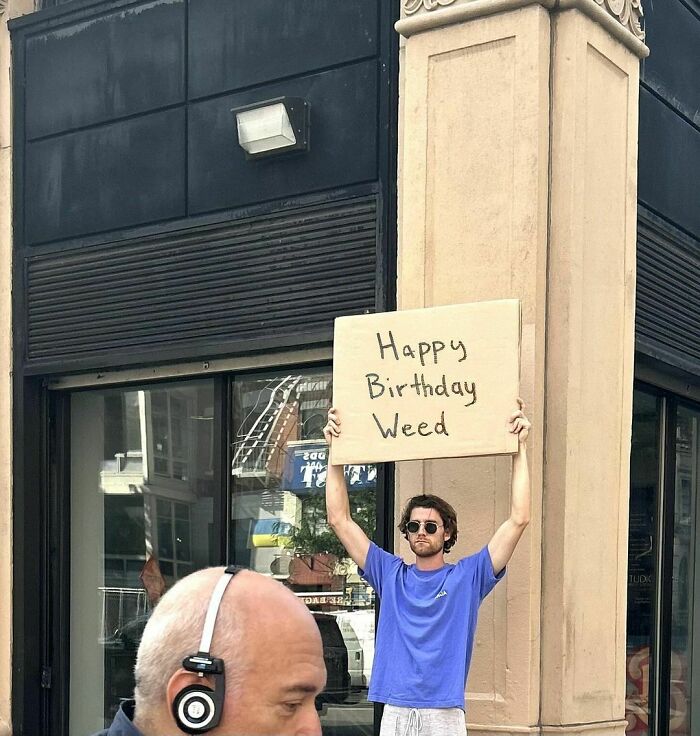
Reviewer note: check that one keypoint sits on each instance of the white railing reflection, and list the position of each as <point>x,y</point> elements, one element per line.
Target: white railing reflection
<point>122,609</point>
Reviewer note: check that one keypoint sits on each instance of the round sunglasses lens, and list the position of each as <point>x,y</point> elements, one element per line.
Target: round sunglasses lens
<point>430,527</point>
<point>413,526</point>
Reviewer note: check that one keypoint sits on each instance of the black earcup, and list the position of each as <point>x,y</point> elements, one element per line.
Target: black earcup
<point>196,709</point>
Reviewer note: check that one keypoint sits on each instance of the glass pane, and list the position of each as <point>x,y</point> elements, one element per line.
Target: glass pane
<point>125,515</point>
<point>279,528</point>
<point>641,581</point>
<point>182,540</point>
<point>684,652</point>
<point>165,538</point>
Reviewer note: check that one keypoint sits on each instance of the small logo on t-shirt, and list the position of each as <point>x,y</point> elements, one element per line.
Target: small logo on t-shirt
<point>441,593</point>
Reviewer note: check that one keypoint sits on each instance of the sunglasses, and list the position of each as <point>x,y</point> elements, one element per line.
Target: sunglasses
<point>430,526</point>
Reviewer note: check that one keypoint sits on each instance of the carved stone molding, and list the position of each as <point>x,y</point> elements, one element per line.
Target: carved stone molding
<point>3,7</point>
<point>628,12</point>
<point>413,6</point>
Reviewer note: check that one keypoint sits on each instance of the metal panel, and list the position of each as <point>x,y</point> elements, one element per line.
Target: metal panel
<point>231,49</point>
<point>668,294</point>
<point>669,163</point>
<point>276,274</point>
<point>113,176</point>
<point>343,141</point>
<point>673,69</point>
<point>120,63</point>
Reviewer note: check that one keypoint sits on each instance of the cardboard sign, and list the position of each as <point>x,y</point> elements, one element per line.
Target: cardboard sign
<point>426,383</point>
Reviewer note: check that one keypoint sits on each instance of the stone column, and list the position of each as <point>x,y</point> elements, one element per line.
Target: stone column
<point>517,179</point>
<point>8,9</point>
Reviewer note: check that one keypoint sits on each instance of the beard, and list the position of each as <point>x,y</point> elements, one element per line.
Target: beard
<point>429,549</point>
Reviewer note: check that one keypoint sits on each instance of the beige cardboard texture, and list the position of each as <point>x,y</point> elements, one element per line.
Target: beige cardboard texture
<point>426,383</point>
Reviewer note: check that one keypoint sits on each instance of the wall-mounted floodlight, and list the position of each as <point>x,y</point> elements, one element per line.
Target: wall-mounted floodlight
<point>273,126</point>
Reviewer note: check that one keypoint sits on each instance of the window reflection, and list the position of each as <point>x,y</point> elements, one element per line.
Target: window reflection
<point>644,490</point>
<point>142,507</point>
<point>279,461</point>
<point>685,557</point>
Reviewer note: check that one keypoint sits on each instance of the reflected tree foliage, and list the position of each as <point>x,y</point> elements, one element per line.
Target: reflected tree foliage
<point>314,536</point>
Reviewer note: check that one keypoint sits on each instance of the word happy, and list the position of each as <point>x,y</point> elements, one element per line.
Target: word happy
<point>422,349</point>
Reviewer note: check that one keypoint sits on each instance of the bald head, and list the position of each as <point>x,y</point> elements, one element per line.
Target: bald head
<point>254,611</point>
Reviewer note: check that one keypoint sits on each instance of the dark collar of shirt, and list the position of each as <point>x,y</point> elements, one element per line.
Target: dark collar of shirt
<point>122,724</point>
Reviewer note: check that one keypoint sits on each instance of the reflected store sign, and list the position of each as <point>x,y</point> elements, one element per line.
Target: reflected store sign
<point>318,599</point>
<point>305,470</point>
<point>638,690</point>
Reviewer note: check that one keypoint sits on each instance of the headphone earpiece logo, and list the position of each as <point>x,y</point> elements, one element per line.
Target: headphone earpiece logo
<point>198,708</point>
<point>195,709</point>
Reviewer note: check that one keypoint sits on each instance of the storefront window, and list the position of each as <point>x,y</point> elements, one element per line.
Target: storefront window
<point>663,621</point>
<point>686,574</point>
<point>144,495</point>
<point>642,560</point>
<point>142,516</point>
<point>278,528</point>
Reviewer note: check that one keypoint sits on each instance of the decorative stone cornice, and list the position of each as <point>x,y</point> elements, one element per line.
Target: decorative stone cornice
<point>628,12</point>
<point>621,18</point>
<point>413,6</point>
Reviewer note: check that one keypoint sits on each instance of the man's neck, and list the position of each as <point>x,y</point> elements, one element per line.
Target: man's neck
<point>434,562</point>
<point>147,724</point>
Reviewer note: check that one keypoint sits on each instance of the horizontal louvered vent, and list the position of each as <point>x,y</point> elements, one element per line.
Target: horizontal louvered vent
<point>668,294</point>
<point>287,272</point>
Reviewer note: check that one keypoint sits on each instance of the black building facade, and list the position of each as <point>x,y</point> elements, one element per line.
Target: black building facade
<point>663,669</point>
<point>148,244</point>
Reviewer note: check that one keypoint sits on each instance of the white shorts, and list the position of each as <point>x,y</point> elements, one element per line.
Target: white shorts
<point>399,721</point>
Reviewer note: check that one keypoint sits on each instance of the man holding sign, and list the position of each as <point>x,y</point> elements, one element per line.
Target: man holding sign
<point>429,609</point>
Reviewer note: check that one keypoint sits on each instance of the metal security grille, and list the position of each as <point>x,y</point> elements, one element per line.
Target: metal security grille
<point>668,293</point>
<point>288,272</point>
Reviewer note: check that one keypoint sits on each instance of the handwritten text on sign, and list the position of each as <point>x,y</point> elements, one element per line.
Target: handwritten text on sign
<point>425,353</point>
<point>438,382</point>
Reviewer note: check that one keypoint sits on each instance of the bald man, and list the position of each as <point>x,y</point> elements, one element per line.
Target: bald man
<point>267,639</point>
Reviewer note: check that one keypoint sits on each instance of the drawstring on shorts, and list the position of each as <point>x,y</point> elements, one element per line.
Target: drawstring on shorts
<point>415,720</point>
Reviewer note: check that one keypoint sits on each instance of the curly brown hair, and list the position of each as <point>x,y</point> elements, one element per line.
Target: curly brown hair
<point>428,501</point>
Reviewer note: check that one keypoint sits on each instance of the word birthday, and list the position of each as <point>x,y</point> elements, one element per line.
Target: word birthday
<point>421,387</point>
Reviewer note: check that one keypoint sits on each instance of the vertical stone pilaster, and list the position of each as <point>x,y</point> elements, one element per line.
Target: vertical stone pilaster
<point>8,9</point>
<point>517,178</point>
<point>590,356</point>
<point>473,198</point>
<point>5,377</point>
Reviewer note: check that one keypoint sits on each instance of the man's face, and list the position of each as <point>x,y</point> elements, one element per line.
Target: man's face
<point>276,696</point>
<point>422,543</point>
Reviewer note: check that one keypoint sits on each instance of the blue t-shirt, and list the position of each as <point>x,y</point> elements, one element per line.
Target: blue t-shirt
<point>425,633</point>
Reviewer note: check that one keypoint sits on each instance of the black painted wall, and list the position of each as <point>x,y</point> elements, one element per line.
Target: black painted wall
<point>669,116</point>
<point>668,292</point>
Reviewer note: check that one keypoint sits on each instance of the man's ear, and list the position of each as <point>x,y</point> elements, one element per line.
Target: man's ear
<point>182,679</point>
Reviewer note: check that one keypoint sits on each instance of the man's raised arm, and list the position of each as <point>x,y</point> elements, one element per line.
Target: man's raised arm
<point>507,536</point>
<point>355,541</point>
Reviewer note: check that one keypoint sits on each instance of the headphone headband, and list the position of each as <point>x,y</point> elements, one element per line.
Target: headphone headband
<point>213,610</point>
